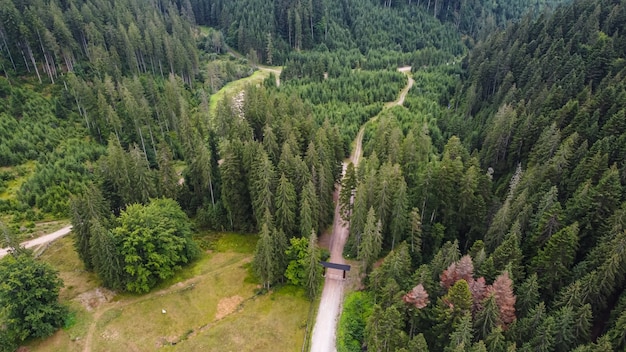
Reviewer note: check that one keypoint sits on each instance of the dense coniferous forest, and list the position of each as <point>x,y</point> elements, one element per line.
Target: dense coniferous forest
<point>487,214</point>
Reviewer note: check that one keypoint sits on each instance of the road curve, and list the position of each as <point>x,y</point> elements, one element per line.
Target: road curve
<point>40,240</point>
<point>324,337</point>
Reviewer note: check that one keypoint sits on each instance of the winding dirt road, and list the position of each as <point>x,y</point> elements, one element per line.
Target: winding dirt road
<point>40,240</point>
<point>324,337</point>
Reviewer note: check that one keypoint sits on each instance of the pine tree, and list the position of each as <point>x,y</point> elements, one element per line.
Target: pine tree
<point>285,201</point>
<point>308,209</point>
<point>399,213</point>
<point>447,254</point>
<point>416,231</point>
<point>564,338</point>
<point>527,295</point>
<point>461,337</point>
<point>384,329</point>
<point>418,344</point>
<point>280,246</point>
<point>547,221</point>
<point>495,341</point>
<point>262,187</point>
<point>106,259</point>
<point>142,177</point>
<point>264,261</point>
<point>509,253</point>
<point>488,318</point>
<point>371,242</point>
<point>168,180</point>
<point>552,263</point>
<point>348,187</point>
<point>397,266</point>
<point>313,266</point>
<point>87,209</point>
<point>235,197</point>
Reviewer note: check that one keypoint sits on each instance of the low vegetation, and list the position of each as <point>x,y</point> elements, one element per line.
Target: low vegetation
<point>213,305</point>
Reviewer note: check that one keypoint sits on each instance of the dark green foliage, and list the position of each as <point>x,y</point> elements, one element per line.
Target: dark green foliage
<point>371,242</point>
<point>55,37</point>
<point>29,296</point>
<point>552,263</point>
<point>384,329</point>
<point>313,271</point>
<point>527,295</point>
<point>264,263</point>
<point>488,318</point>
<point>105,256</point>
<point>397,267</point>
<point>286,203</point>
<point>153,242</point>
<point>89,211</point>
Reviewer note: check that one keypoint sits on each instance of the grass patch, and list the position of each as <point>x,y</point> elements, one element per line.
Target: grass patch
<point>76,279</point>
<point>238,243</point>
<point>19,174</point>
<point>227,242</point>
<point>211,305</point>
<point>235,87</point>
<point>271,322</point>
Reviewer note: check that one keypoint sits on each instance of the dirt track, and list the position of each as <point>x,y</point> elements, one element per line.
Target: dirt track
<point>324,337</point>
<point>40,240</point>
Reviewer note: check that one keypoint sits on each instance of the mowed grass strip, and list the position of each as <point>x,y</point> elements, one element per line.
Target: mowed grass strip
<point>212,305</point>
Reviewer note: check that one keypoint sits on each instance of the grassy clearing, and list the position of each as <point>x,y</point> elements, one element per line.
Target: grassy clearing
<point>211,305</point>
<point>272,322</point>
<point>21,173</point>
<point>63,257</point>
<point>233,88</point>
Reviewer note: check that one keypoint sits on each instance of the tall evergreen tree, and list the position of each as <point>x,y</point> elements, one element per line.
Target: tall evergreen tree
<point>87,210</point>
<point>265,264</point>
<point>552,263</point>
<point>313,273</point>
<point>371,242</point>
<point>285,202</point>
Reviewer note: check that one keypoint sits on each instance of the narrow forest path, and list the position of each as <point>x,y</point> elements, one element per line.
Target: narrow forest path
<point>40,240</point>
<point>323,338</point>
<point>276,70</point>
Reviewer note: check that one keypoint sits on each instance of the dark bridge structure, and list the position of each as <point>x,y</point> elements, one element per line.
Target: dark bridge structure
<point>343,267</point>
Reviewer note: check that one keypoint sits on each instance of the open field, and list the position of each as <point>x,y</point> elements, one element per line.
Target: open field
<point>233,88</point>
<point>212,305</point>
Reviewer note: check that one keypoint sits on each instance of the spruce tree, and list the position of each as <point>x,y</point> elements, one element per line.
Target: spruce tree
<point>264,262</point>
<point>552,263</point>
<point>285,201</point>
<point>488,318</point>
<point>371,242</point>
<point>313,273</point>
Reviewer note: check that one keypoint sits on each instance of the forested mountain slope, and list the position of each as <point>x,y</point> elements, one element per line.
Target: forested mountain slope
<point>529,186</point>
<point>279,25</point>
<point>496,192</point>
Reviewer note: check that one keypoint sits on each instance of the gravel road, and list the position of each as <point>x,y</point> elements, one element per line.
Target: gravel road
<point>40,240</point>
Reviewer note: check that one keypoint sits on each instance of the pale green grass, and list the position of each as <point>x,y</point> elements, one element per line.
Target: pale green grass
<point>272,322</point>
<point>14,185</point>
<point>212,305</point>
<point>62,256</point>
<point>233,88</point>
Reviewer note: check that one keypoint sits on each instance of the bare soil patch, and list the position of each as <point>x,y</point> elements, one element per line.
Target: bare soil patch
<point>227,306</point>
<point>91,300</point>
